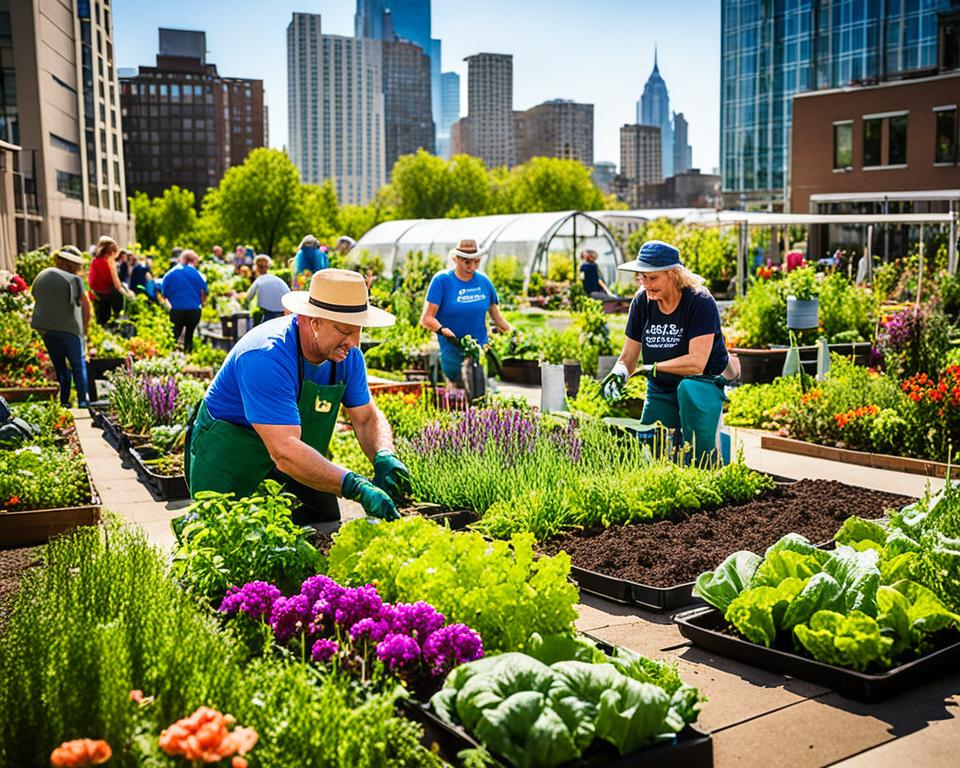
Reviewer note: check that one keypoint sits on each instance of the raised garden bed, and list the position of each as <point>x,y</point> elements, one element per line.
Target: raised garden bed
<point>37,526</point>
<point>859,458</point>
<point>23,394</point>
<point>654,565</point>
<point>707,628</point>
<point>762,366</point>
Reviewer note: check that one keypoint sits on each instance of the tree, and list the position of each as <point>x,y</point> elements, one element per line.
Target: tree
<point>167,221</point>
<point>259,201</point>
<point>551,184</point>
<point>419,186</point>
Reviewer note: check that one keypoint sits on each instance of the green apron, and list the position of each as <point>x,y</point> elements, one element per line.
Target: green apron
<point>694,406</point>
<point>226,457</point>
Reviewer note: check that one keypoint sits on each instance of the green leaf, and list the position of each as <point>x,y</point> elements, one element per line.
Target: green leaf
<point>858,574</point>
<point>634,715</point>
<point>553,648</point>
<point>720,587</point>
<point>526,731</point>
<point>822,592</point>
<point>856,529</point>
<point>758,612</point>
<point>926,612</point>
<point>785,564</point>
<point>794,542</point>
<point>853,641</point>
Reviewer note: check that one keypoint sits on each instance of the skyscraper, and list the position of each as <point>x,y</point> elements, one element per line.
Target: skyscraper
<point>184,124</point>
<point>654,109</point>
<point>490,108</point>
<point>408,20</point>
<point>772,51</point>
<point>449,111</point>
<point>640,150</point>
<point>406,101</point>
<point>336,109</point>
<point>682,151</point>
<point>59,102</point>
<point>558,128</point>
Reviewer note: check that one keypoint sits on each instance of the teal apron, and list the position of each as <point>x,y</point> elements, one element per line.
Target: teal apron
<point>225,457</point>
<point>694,406</point>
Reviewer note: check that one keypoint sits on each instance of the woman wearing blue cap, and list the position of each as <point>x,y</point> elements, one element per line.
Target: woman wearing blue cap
<point>673,331</point>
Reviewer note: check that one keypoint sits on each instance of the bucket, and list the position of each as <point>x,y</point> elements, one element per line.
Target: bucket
<point>552,391</point>
<point>802,314</point>
<point>571,377</point>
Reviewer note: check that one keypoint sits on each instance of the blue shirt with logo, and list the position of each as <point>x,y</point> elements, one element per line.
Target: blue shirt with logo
<point>462,306</point>
<point>591,277</point>
<point>312,260</point>
<point>258,384</point>
<point>664,337</point>
<point>182,286</point>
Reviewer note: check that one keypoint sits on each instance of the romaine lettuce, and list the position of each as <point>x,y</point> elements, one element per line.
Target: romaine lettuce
<point>733,575</point>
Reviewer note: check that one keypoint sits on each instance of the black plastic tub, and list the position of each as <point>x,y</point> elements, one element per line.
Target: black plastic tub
<point>704,628</point>
<point>691,748</point>
<point>657,599</point>
<point>169,487</point>
<point>101,420</point>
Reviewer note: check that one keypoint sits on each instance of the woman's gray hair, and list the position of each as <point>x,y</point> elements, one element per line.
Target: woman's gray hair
<point>684,278</point>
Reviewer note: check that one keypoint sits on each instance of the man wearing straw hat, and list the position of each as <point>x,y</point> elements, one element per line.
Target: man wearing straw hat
<point>272,408</point>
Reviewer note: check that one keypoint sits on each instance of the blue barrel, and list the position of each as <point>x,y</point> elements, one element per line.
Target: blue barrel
<point>802,313</point>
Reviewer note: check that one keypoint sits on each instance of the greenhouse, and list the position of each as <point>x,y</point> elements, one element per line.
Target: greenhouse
<point>530,237</point>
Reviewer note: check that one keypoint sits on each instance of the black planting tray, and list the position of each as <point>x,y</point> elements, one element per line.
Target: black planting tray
<point>703,627</point>
<point>170,487</point>
<point>656,599</point>
<point>691,748</point>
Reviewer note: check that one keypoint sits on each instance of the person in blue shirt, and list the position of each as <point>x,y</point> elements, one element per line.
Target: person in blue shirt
<point>311,257</point>
<point>458,301</point>
<point>593,286</point>
<point>184,290</point>
<point>673,332</point>
<point>272,408</point>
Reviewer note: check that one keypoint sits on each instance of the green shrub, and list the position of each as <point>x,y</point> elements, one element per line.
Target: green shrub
<point>32,263</point>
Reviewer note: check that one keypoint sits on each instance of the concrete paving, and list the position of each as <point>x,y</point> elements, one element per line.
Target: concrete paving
<point>757,718</point>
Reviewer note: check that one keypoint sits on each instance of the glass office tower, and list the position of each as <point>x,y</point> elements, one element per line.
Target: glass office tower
<point>773,49</point>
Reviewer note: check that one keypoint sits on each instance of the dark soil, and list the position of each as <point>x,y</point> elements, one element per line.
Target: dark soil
<point>675,551</point>
<point>13,562</point>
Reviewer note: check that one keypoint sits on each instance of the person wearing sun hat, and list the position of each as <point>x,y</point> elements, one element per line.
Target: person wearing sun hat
<point>61,314</point>
<point>272,408</point>
<point>673,337</point>
<point>457,304</point>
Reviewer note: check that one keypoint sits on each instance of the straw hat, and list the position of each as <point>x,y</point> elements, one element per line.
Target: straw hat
<point>340,295</point>
<point>70,253</point>
<point>466,249</point>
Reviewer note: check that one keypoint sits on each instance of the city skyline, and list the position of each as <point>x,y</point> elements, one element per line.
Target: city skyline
<point>616,38</point>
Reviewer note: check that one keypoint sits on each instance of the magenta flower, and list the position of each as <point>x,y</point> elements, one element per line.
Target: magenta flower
<point>370,630</point>
<point>356,604</point>
<point>450,647</point>
<point>398,652</point>
<point>290,616</point>
<point>418,620</point>
<point>255,598</point>
<point>323,650</point>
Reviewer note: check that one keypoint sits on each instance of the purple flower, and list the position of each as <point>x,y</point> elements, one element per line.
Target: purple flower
<point>290,616</point>
<point>317,587</point>
<point>451,646</point>
<point>323,650</point>
<point>255,598</point>
<point>418,620</point>
<point>371,630</point>
<point>161,394</point>
<point>398,652</point>
<point>357,604</point>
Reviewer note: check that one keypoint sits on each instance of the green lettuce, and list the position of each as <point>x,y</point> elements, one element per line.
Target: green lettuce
<point>758,613</point>
<point>821,592</point>
<point>794,542</point>
<point>527,731</point>
<point>720,587</point>
<point>856,530</point>
<point>785,564</point>
<point>854,640</point>
<point>553,648</point>
<point>633,715</point>
<point>858,574</point>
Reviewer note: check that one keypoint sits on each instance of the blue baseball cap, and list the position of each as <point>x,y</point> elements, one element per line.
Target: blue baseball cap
<point>654,256</point>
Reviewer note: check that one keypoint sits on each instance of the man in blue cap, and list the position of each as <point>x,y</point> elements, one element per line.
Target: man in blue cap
<point>673,337</point>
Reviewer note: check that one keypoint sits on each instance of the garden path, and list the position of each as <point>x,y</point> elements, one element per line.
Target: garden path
<point>757,718</point>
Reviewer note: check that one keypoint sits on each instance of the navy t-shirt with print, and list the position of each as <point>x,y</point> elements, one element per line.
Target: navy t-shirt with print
<point>591,277</point>
<point>664,337</point>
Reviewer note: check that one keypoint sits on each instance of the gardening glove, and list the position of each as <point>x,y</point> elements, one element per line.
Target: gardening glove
<point>613,385</point>
<point>374,501</point>
<point>650,371</point>
<point>391,474</point>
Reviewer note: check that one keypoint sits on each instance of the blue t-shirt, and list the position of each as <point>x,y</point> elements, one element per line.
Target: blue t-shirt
<point>257,383</point>
<point>591,277</point>
<point>312,259</point>
<point>182,286</point>
<point>138,277</point>
<point>664,337</point>
<point>462,306</point>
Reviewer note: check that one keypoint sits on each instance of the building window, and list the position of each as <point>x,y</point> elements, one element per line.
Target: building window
<point>872,131</point>
<point>70,184</point>
<point>843,145</point>
<point>946,147</point>
<point>897,154</point>
<point>61,143</point>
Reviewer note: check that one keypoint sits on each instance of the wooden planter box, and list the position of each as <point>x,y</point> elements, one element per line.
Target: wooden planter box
<point>762,366</point>
<point>858,458</point>
<point>37,526</point>
<point>22,394</point>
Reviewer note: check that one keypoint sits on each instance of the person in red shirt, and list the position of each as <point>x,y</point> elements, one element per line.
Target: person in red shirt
<point>105,282</point>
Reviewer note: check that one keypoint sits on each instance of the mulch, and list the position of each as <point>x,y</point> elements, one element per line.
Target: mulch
<point>677,550</point>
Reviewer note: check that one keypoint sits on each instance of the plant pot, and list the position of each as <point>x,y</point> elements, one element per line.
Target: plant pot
<point>803,314</point>
<point>519,371</point>
<point>571,377</point>
<point>761,366</point>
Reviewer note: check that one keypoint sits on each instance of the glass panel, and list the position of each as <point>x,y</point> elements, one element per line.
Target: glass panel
<point>843,145</point>
<point>898,140</point>
<point>946,147</point>
<point>872,130</point>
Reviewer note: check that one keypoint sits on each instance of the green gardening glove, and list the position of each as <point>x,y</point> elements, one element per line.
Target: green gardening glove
<point>391,474</point>
<point>374,501</point>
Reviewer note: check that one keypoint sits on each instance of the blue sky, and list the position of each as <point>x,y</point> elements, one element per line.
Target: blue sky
<point>598,52</point>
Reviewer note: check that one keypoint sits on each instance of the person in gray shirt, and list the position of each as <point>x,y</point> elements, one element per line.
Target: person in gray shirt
<point>267,289</point>
<point>61,315</point>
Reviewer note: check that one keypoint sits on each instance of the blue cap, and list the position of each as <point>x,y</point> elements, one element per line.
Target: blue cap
<point>654,255</point>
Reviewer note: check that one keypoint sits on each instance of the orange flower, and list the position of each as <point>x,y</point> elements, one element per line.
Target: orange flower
<point>204,736</point>
<point>13,501</point>
<point>239,762</point>
<point>80,753</point>
<point>136,695</point>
